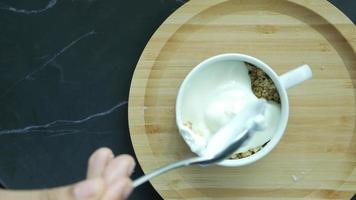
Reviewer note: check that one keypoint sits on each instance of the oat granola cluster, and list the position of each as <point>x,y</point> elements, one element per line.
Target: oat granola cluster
<point>262,85</point>
<point>245,154</point>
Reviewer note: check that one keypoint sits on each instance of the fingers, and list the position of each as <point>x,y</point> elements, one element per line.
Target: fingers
<point>119,190</point>
<point>91,189</point>
<point>114,172</point>
<point>116,176</point>
<point>108,179</point>
<point>120,167</point>
<point>98,162</point>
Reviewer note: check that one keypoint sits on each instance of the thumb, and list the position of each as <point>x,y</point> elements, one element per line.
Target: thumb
<point>90,189</point>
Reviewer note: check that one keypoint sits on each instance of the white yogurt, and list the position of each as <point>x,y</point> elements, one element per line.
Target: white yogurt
<point>215,97</point>
<point>250,118</point>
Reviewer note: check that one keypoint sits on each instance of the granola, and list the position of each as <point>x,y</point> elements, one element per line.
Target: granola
<point>262,85</point>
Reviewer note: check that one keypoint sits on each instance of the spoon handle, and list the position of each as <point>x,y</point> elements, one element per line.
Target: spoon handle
<point>219,156</point>
<point>195,160</point>
<point>182,163</point>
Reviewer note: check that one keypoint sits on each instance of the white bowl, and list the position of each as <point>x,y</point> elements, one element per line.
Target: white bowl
<point>199,80</point>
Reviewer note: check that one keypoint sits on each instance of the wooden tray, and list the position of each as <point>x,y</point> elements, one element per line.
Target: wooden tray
<point>316,158</point>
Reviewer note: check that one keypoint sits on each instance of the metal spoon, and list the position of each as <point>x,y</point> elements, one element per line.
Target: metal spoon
<point>219,156</point>
<point>253,119</point>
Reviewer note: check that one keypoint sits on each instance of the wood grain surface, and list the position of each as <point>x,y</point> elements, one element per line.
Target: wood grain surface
<point>316,158</point>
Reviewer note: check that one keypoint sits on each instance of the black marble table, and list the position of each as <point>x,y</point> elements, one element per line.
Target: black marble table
<point>65,72</point>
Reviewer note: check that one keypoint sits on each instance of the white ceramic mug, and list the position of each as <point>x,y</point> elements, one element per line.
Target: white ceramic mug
<point>282,83</point>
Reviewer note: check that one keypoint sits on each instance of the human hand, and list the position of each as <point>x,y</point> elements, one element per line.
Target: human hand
<point>108,178</point>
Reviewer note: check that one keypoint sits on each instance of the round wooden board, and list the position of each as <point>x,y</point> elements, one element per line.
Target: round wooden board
<point>316,158</point>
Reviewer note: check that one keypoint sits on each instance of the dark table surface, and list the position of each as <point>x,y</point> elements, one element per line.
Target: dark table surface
<point>65,73</point>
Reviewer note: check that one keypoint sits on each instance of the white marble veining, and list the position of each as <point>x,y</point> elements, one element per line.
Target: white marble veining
<point>58,123</point>
<point>30,75</point>
<point>62,79</point>
<point>50,4</point>
<point>182,1</point>
<point>71,132</point>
